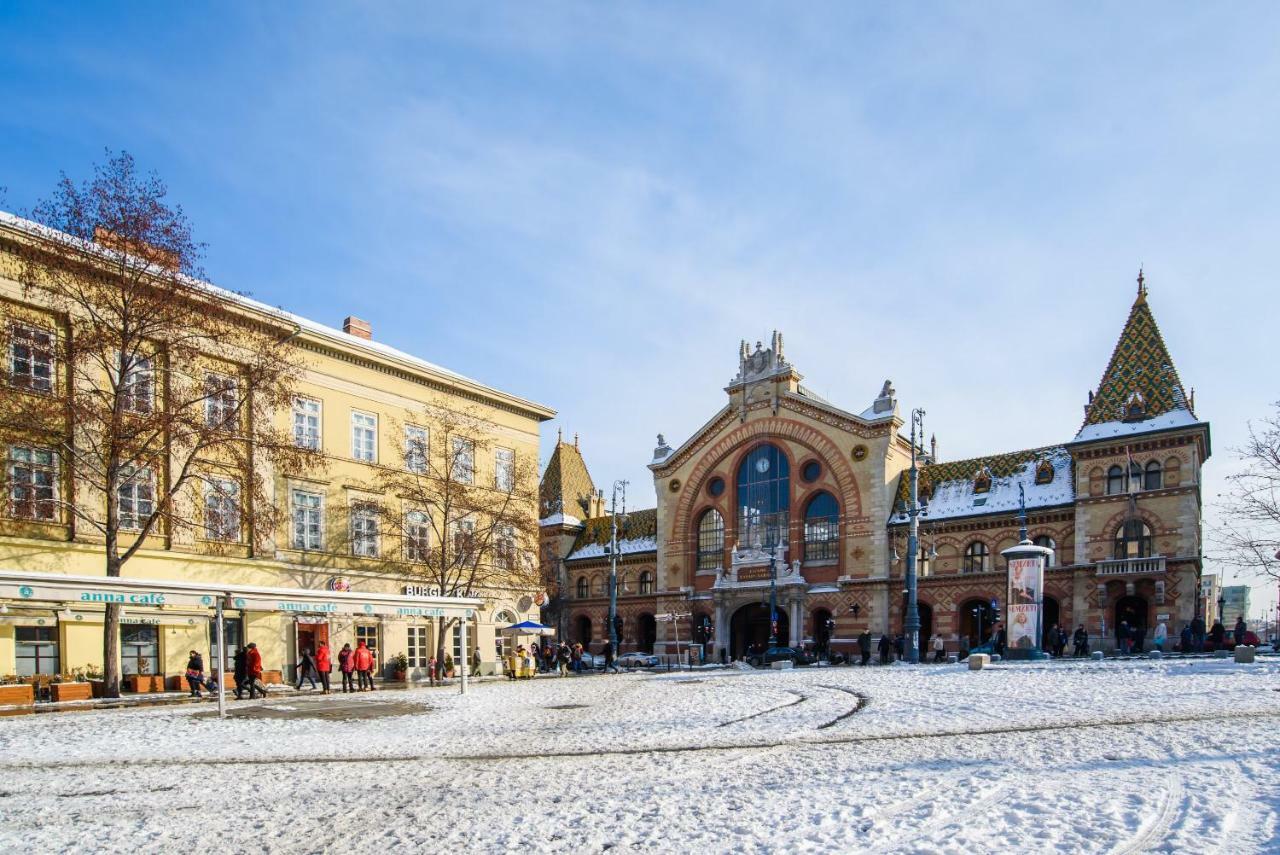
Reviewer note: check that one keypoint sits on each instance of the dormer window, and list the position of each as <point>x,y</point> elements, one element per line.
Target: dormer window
<point>982,481</point>
<point>1135,407</point>
<point>1044,472</point>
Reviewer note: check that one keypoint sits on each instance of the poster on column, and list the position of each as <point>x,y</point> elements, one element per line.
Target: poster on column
<point>1026,584</point>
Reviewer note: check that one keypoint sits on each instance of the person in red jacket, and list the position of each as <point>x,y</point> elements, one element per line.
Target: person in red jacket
<point>253,666</point>
<point>347,665</point>
<point>364,666</point>
<point>323,665</point>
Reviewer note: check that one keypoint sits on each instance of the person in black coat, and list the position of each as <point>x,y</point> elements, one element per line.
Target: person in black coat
<point>864,646</point>
<point>1081,639</point>
<point>306,669</point>
<point>195,673</point>
<point>1218,635</point>
<point>885,647</point>
<point>1001,637</point>
<point>240,673</point>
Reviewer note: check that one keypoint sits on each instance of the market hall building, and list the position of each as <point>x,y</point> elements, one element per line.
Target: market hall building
<point>778,472</point>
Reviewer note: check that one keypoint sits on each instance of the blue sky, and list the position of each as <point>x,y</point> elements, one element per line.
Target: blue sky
<point>591,204</point>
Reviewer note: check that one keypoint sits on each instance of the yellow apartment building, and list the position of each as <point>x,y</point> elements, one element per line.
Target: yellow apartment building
<point>355,398</point>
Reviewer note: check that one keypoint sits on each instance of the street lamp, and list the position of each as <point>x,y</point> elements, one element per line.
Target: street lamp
<point>618,487</point>
<point>912,622</point>
<point>773,594</point>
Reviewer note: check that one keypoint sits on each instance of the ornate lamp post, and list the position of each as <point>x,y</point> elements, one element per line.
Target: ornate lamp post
<point>912,622</point>
<point>773,595</point>
<point>618,487</point>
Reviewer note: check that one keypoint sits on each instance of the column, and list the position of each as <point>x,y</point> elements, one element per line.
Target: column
<point>797,622</point>
<point>721,627</point>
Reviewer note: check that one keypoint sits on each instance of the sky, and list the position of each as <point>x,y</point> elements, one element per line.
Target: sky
<point>590,205</point>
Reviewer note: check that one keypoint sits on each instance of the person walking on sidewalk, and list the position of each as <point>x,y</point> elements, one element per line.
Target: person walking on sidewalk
<point>364,666</point>
<point>562,659</point>
<point>195,673</point>
<point>939,648</point>
<point>1081,641</point>
<point>885,646</point>
<point>347,665</point>
<point>1161,636</point>
<point>324,665</point>
<point>306,669</point>
<point>253,665</point>
<point>864,646</point>
<point>608,657</point>
<point>240,674</point>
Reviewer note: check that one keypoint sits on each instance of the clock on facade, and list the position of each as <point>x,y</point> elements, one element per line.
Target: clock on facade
<point>762,465</point>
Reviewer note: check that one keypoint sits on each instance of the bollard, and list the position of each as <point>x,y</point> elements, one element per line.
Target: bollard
<point>1096,656</point>
<point>996,657</point>
<point>978,661</point>
<point>952,659</point>
<point>1244,654</point>
<point>1155,654</point>
<point>1220,654</point>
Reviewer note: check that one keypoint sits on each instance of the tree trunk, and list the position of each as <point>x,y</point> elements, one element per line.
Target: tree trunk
<point>111,641</point>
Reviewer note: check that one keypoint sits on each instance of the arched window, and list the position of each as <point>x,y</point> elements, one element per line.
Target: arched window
<point>1152,477</point>
<point>977,558</point>
<point>582,587</point>
<point>1115,481</point>
<point>1044,472</point>
<point>1133,540</point>
<point>764,497</point>
<point>646,582</point>
<point>597,586</point>
<point>1047,542</point>
<point>822,528</point>
<point>710,540</point>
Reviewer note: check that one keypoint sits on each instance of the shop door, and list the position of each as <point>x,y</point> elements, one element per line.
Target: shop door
<point>309,637</point>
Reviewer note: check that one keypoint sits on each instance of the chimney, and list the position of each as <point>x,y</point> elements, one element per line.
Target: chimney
<point>358,328</point>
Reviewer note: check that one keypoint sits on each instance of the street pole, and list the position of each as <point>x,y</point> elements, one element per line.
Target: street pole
<point>613,561</point>
<point>221,658</point>
<point>912,623</point>
<point>773,596</point>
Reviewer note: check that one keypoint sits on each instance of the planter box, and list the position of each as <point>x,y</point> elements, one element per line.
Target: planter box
<point>18,694</point>
<point>144,683</point>
<point>273,678</point>
<point>71,691</point>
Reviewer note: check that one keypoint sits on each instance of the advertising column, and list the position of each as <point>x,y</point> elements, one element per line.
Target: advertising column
<point>1025,603</point>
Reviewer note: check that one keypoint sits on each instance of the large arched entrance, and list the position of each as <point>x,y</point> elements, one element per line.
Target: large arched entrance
<point>1051,616</point>
<point>976,620</point>
<point>821,631</point>
<point>749,629</point>
<point>1133,611</point>
<point>646,632</point>
<point>582,630</point>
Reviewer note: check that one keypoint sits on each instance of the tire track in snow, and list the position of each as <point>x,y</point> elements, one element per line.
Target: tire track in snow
<point>1172,806</point>
<point>863,700</point>
<point>799,699</point>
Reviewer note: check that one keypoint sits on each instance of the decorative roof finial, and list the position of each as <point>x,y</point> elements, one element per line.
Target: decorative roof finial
<point>1142,283</point>
<point>559,435</point>
<point>575,439</point>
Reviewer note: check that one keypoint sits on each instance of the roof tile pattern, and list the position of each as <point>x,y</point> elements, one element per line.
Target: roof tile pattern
<point>638,533</point>
<point>565,483</point>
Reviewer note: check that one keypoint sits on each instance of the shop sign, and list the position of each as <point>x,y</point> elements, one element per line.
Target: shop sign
<point>68,594</point>
<point>421,591</point>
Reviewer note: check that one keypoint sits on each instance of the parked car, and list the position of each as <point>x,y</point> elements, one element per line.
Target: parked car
<point>778,654</point>
<point>636,659</point>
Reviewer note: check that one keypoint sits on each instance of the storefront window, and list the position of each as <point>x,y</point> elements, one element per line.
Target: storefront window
<point>37,650</point>
<point>368,633</point>
<point>139,649</point>
<point>233,633</point>
<point>419,646</point>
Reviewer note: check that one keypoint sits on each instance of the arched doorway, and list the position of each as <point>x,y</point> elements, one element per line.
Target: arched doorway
<point>976,619</point>
<point>646,632</point>
<point>1133,611</point>
<point>1051,616</point>
<point>925,611</point>
<point>582,630</point>
<point>821,631</point>
<point>749,629</point>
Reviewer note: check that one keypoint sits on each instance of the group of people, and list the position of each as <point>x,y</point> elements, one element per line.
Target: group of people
<point>563,659</point>
<point>356,665</point>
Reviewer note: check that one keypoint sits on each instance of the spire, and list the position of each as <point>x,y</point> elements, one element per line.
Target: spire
<point>566,484</point>
<point>1140,373</point>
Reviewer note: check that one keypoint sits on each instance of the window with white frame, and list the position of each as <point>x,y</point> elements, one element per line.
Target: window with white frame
<point>220,401</point>
<point>33,479</point>
<point>463,468</point>
<point>504,541</point>
<point>306,423</point>
<point>138,386</point>
<point>364,436</point>
<point>222,509</point>
<point>504,469</point>
<point>135,498</point>
<point>364,529</point>
<point>464,535</point>
<point>415,449</point>
<point>368,633</point>
<point>458,660</point>
<point>30,358</point>
<point>419,653</point>
<point>308,519</point>
<point>417,536</point>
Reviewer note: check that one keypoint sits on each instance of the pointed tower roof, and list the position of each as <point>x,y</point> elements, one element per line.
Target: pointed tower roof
<point>1140,390</point>
<point>566,484</point>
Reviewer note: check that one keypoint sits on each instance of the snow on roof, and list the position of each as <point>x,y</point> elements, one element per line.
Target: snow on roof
<point>349,341</point>
<point>560,519</point>
<point>949,487</point>
<point>638,533</point>
<point>625,547</point>
<point>1171,420</point>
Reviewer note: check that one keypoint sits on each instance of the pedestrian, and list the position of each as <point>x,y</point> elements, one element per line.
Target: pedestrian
<point>1051,639</point>
<point>575,659</point>
<point>1218,635</point>
<point>1185,638</point>
<point>324,665</point>
<point>1062,642</point>
<point>885,647</point>
<point>1081,639</point>
<point>1139,633</point>
<point>1001,638</point>
<point>347,665</point>
<point>1160,636</point>
<point>900,646</point>
<point>253,666</point>
<point>964,647</point>
<point>363,660</point>
<point>475,662</point>
<point>939,648</point>
<point>195,673</point>
<point>1122,637</point>
<point>306,668</point>
<point>608,657</point>
<point>562,659</point>
<point>1197,634</point>
<point>864,646</point>
<point>1240,630</point>
<point>240,674</point>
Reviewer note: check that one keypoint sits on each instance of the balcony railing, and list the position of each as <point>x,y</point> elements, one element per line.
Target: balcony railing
<point>1130,566</point>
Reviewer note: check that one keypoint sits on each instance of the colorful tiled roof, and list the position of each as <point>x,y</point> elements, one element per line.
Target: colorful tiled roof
<point>949,488</point>
<point>1139,364</point>
<point>566,484</point>
<point>638,533</point>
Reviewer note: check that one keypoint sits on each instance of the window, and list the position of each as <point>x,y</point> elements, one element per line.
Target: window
<point>137,391</point>
<point>368,633</point>
<point>459,661</point>
<point>419,646</point>
<point>822,528</point>
<point>364,530</point>
<point>711,540</point>
<point>415,449</point>
<point>1151,477</point>
<point>583,588</point>
<point>982,481</point>
<point>977,558</point>
<point>233,632</point>
<point>36,650</point>
<point>716,486</point>
<point>1044,472</point>
<point>364,436</point>
<point>139,648</point>
<point>924,566</point>
<point>464,535</point>
<point>220,401</point>
<point>135,498</point>
<point>504,470</point>
<point>1133,540</point>
<point>306,423</point>
<point>31,358</point>
<point>417,536</point>
<point>646,582</point>
<point>1115,481</point>
<point>764,497</point>
<point>1047,542</point>
<point>504,542</point>
<point>222,509</point>
<point>463,468</point>
<point>308,518</point>
<point>33,474</point>
<point>811,471</point>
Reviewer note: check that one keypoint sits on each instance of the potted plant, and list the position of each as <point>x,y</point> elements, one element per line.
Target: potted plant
<point>400,666</point>
<point>70,687</point>
<point>448,665</point>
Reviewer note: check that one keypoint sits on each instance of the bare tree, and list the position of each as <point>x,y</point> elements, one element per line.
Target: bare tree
<point>1249,528</point>
<point>461,532</point>
<point>155,392</point>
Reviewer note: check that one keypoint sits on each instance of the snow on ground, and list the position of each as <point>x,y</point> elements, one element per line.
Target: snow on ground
<point>1089,757</point>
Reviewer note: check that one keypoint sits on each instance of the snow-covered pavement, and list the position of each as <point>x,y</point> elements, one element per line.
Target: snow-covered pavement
<point>1089,757</point>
